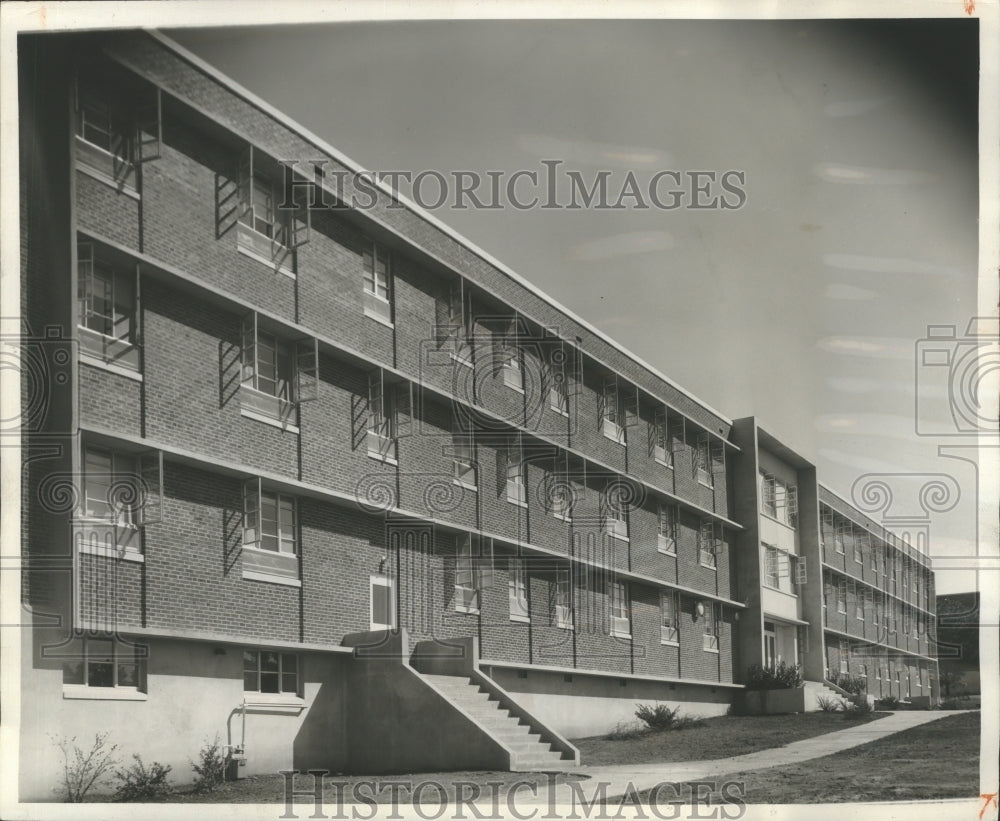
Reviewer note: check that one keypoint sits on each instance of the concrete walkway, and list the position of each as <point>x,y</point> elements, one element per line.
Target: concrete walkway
<point>623,778</point>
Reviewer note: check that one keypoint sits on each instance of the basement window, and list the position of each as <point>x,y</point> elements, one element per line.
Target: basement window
<point>267,671</point>
<point>104,668</point>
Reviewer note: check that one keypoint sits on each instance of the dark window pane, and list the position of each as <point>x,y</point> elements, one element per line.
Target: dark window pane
<point>128,675</point>
<point>269,682</point>
<point>289,662</point>
<point>269,662</point>
<point>250,681</point>
<point>249,661</point>
<point>289,683</point>
<point>101,674</point>
<point>73,672</point>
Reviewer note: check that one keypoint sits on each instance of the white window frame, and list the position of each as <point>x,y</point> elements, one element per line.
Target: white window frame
<point>842,596</point>
<point>120,654</point>
<point>662,451</point>
<point>666,529</point>
<point>561,500</point>
<point>513,364</point>
<point>771,567</point>
<point>473,572</point>
<point>563,599</point>
<point>615,519</point>
<point>255,525</point>
<point>669,617</point>
<point>119,286</point>
<point>283,659</point>
<point>710,631</point>
<point>611,415</point>
<point>843,660</point>
<point>620,609</point>
<point>702,461</point>
<point>386,581</point>
<point>558,384</point>
<point>517,590</point>
<point>709,538</point>
<point>376,278</point>
<point>516,488</point>
<point>464,461</point>
<point>114,469</point>
<point>382,430</point>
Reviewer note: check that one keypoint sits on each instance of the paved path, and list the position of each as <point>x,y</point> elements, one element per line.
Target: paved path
<point>619,779</point>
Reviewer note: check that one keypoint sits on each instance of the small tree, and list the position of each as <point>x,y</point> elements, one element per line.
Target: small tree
<point>142,783</point>
<point>82,770</point>
<point>949,679</point>
<point>211,766</point>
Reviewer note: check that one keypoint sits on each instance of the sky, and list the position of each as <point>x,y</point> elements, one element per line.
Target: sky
<point>804,307</point>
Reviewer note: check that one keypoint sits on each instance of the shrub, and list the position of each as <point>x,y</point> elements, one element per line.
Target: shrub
<point>658,716</point>
<point>855,685</point>
<point>689,722</point>
<point>625,731</point>
<point>779,677</point>
<point>829,704</point>
<point>857,709</point>
<point>139,783</point>
<point>82,770</point>
<point>887,703</point>
<point>211,766</point>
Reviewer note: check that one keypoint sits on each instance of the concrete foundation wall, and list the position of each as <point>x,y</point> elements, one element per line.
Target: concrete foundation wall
<point>592,705</point>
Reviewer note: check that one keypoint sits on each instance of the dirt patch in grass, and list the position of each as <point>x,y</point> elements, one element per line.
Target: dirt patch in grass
<point>933,761</point>
<point>718,737</point>
<point>434,789</point>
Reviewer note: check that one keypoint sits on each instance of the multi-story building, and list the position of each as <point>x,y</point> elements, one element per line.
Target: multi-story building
<point>335,485</point>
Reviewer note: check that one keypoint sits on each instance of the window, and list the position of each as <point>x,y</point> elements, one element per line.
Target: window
<point>453,321</point>
<point>105,663</point>
<point>863,672</point>
<point>473,571</point>
<point>838,538</point>
<point>669,617</point>
<point>710,637</point>
<point>381,433</point>
<point>106,296</point>
<point>516,490</point>
<point>563,600</point>
<point>518,591</point>
<point>702,460</point>
<point>377,288</point>
<point>843,653</point>
<point>614,515</point>
<point>801,570</point>
<point>94,122</point>
<point>610,412</point>
<point>463,448</point>
<point>779,499</point>
<point>267,671</point>
<point>771,560</point>
<point>510,355</point>
<point>104,148</point>
<point>276,374</point>
<point>382,603</point>
<point>662,452</point>
<point>842,597</point>
<point>621,620</point>
<point>709,543</point>
<point>268,521</point>
<point>858,556</point>
<point>267,229</point>
<point>560,496</point>
<point>666,536</point>
<point>558,381</point>
<point>106,480</point>
<point>269,526</point>
<point>874,558</point>
<point>859,604</point>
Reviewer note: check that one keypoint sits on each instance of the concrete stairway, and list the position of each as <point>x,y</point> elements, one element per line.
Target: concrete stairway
<point>823,689</point>
<point>529,751</point>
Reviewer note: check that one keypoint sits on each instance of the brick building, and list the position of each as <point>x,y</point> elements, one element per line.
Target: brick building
<point>319,480</point>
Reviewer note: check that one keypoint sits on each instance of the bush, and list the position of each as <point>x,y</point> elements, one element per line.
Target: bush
<point>829,704</point>
<point>855,685</point>
<point>211,767</point>
<point>887,703</point>
<point>780,677</point>
<point>857,709</point>
<point>625,731</point>
<point>658,716</point>
<point>82,770</point>
<point>689,722</point>
<point>141,784</point>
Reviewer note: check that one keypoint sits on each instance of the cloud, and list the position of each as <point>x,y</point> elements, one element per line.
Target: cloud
<point>877,347</point>
<point>635,242</point>
<point>863,464</point>
<point>591,153</point>
<point>852,108</point>
<point>859,175</point>
<point>925,388</point>
<point>883,425</point>
<point>838,290</point>
<point>887,265</point>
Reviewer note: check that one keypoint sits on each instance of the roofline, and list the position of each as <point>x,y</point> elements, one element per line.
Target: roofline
<point>340,157</point>
<point>885,528</point>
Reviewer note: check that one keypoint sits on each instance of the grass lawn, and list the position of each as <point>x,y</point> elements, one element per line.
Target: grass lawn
<point>935,760</point>
<point>379,789</point>
<point>720,737</point>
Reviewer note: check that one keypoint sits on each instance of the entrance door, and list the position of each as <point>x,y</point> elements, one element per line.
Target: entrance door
<point>770,645</point>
